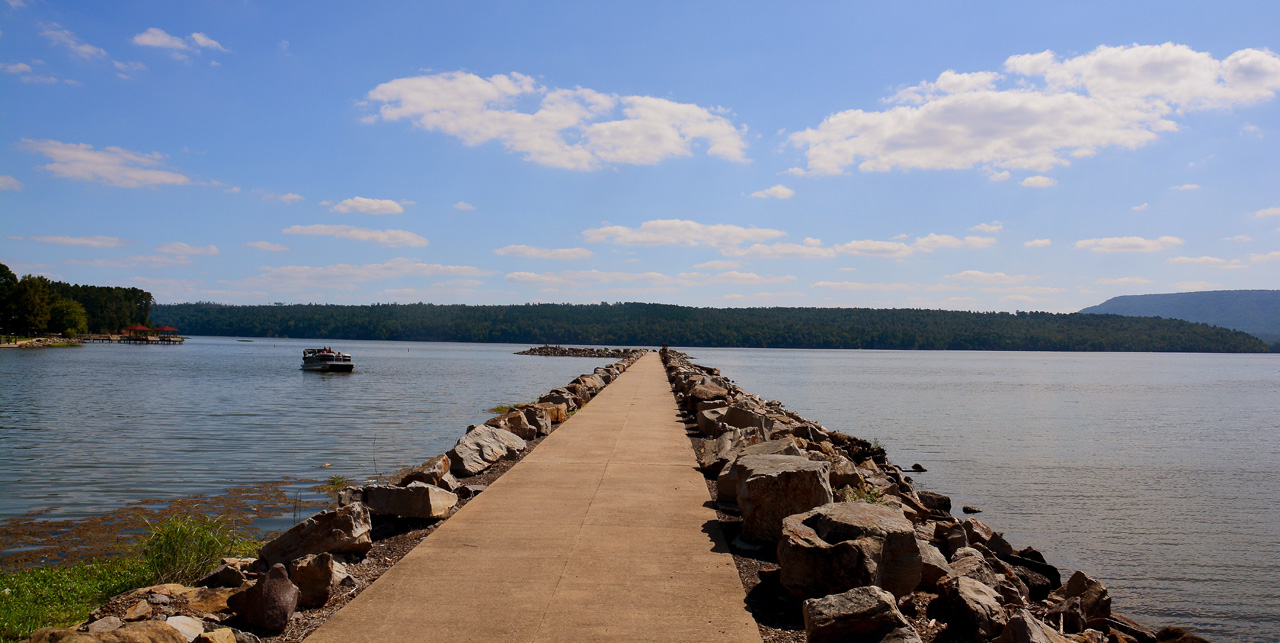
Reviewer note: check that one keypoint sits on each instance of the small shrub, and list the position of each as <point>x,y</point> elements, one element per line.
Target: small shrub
<point>61,596</point>
<point>503,408</point>
<point>184,548</point>
<point>861,493</point>
<point>334,484</point>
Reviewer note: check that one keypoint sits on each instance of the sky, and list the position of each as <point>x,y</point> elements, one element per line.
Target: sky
<point>1008,156</point>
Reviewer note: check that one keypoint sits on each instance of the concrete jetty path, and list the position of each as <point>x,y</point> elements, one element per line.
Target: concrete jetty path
<point>604,532</point>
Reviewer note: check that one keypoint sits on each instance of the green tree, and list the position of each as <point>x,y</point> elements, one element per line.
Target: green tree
<point>67,316</point>
<point>31,302</point>
<point>8,281</point>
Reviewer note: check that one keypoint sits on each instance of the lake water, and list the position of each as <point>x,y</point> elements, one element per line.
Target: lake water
<point>1158,474</point>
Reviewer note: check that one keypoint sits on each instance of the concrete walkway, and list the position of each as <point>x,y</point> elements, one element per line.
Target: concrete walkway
<point>602,533</point>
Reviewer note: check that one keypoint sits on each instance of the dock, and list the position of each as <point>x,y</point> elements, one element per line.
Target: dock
<point>604,532</point>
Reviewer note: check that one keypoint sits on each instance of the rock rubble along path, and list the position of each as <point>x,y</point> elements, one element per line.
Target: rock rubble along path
<point>604,532</point>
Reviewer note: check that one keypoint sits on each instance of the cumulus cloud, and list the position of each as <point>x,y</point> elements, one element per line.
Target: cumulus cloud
<point>994,226</point>
<point>9,183</point>
<point>289,198</point>
<point>1185,187</point>
<point>979,277</point>
<point>346,276</point>
<point>532,252</point>
<point>776,192</point>
<point>90,242</point>
<point>1122,281</point>
<point>64,38</point>
<point>1041,112</point>
<point>147,261</point>
<point>1038,182</point>
<point>156,37</point>
<point>1267,212</point>
<point>1129,244</point>
<point>999,176</point>
<point>1270,256</point>
<point>206,42</point>
<point>267,246</point>
<point>595,278</point>
<point>734,277</point>
<point>577,129</point>
<point>110,166</point>
<point>718,265</point>
<point>813,248</point>
<point>679,232</point>
<point>1196,285</point>
<point>1239,237</point>
<point>463,205</point>
<point>389,238</point>
<point>855,285</point>
<point>1038,243</point>
<point>1139,208</point>
<point>179,248</point>
<point>1212,262</point>
<point>368,206</point>
<point>780,251</point>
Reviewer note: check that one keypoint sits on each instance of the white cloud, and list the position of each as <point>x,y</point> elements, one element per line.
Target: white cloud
<point>718,265</point>
<point>345,276</point>
<point>780,251</point>
<point>532,252</point>
<point>9,183</point>
<point>735,277</point>
<point>1122,281</point>
<point>1212,262</point>
<point>232,190</point>
<point>16,68</point>
<point>931,242</point>
<point>1038,243</point>
<point>1038,182</point>
<point>109,166</point>
<point>1196,285</point>
<point>1048,110</point>
<point>813,249</point>
<point>1185,187</point>
<point>854,285</point>
<point>179,248</point>
<point>389,238</point>
<point>16,4</point>
<point>569,127</point>
<point>156,37</point>
<point>994,226</point>
<point>680,233</point>
<point>1239,237</point>
<point>463,205</point>
<point>1129,244</point>
<point>368,206</point>
<point>999,176</point>
<point>1139,208</point>
<point>59,36</point>
<point>1267,212</point>
<point>1026,290</point>
<point>776,192</point>
<point>1270,256</point>
<point>150,261</point>
<point>267,246</point>
<point>762,295</point>
<point>202,40</point>
<point>595,278</point>
<point>91,242</point>
<point>979,277</point>
<point>289,198</point>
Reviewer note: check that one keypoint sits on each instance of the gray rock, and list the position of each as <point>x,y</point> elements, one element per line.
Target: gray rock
<point>934,566</point>
<point>433,472</point>
<point>844,473</point>
<point>556,413</point>
<point>538,418</point>
<point>1095,601</point>
<point>345,530</point>
<point>515,422</point>
<point>481,447</point>
<point>417,500</point>
<point>269,603</point>
<point>316,576</point>
<point>735,443</point>
<point>560,396</point>
<point>776,486</point>
<point>977,531</point>
<point>952,536</point>
<point>108,624</point>
<point>860,615</point>
<point>1025,628</point>
<point>935,501</point>
<point>221,576</point>
<point>188,627</point>
<point>975,608</point>
<point>843,545</point>
<point>709,421</point>
<point>740,417</point>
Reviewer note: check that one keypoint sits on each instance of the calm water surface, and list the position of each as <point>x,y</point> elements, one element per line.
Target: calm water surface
<point>1158,474</point>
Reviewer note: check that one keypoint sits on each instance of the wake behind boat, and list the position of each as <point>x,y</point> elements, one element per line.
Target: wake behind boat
<point>326,360</point>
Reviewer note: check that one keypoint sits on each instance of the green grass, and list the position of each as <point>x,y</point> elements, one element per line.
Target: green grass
<point>502,408</point>
<point>334,484</point>
<point>184,548</point>
<point>62,596</point>
<point>861,493</point>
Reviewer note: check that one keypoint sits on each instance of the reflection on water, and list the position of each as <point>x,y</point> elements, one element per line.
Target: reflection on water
<point>93,428</point>
<point>1157,474</point>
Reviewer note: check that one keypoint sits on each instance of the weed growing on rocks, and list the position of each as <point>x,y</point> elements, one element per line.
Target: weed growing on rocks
<point>61,596</point>
<point>184,548</point>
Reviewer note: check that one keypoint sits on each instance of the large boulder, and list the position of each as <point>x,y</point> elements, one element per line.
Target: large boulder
<point>709,421</point>
<point>1095,601</point>
<point>560,396</point>
<point>316,577</point>
<point>434,472</point>
<point>860,615</point>
<point>557,413</point>
<point>538,418</point>
<point>481,447</point>
<point>515,422</point>
<point>417,500</point>
<point>774,487</point>
<point>142,632</point>
<point>741,417</point>
<point>732,445</point>
<point>936,502</point>
<point>1025,628</point>
<point>843,545</point>
<point>345,530</point>
<point>934,566</point>
<point>975,608</point>
<point>269,603</point>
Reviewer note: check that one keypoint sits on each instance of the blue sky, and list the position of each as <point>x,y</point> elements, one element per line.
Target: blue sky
<point>1012,157</point>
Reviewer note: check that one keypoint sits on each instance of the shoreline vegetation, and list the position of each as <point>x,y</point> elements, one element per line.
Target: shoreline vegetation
<point>111,585</point>
<point>640,324</point>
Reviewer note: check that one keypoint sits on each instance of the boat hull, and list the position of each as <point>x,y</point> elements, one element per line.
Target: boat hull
<point>329,367</point>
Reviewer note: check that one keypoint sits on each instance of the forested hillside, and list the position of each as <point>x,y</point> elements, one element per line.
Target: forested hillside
<point>1252,311</point>
<point>33,305</point>
<point>653,324</point>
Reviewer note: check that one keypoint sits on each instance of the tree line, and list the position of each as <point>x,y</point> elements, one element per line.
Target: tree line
<point>35,305</point>
<point>639,324</point>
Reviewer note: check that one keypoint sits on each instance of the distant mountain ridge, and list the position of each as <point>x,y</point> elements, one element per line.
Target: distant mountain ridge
<point>1256,312</point>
